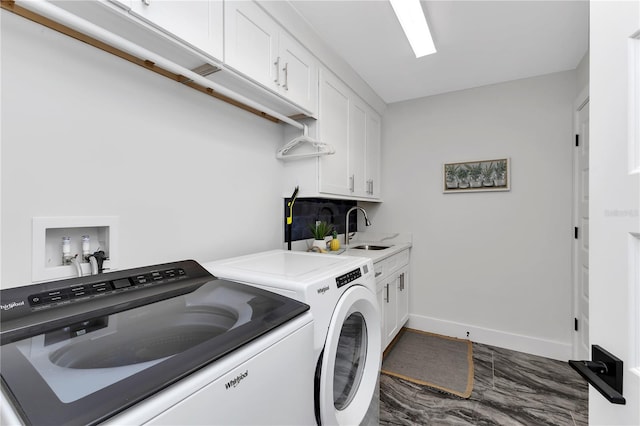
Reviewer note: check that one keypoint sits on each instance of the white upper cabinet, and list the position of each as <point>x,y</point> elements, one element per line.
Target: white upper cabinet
<point>298,77</point>
<point>198,23</point>
<point>251,41</point>
<point>259,48</point>
<point>333,128</point>
<point>353,128</point>
<point>372,162</point>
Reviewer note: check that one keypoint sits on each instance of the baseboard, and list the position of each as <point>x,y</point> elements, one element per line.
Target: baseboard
<point>516,342</point>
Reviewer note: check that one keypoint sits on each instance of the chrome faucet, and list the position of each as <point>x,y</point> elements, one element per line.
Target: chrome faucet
<point>366,222</point>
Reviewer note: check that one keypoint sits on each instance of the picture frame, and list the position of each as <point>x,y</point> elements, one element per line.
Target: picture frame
<point>477,176</point>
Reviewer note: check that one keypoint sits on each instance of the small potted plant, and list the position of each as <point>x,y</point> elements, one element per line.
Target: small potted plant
<point>450,172</point>
<point>463,177</point>
<point>487,174</point>
<point>501,173</point>
<point>475,175</point>
<point>319,230</point>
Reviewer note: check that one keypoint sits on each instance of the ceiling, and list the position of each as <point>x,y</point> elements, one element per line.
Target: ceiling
<point>479,42</point>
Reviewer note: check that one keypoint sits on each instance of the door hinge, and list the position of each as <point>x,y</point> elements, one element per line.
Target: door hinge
<point>575,324</point>
<point>577,140</point>
<point>575,232</point>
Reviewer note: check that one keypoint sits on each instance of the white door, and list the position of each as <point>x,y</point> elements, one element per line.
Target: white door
<point>614,200</point>
<point>351,360</point>
<point>581,348</point>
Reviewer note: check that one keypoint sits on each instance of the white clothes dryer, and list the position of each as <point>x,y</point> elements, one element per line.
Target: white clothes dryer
<point>341,292</point>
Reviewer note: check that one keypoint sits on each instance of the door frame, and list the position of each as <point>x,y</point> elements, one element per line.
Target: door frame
<point>581,100</point>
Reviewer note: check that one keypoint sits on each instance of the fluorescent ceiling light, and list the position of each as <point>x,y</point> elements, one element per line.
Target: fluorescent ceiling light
<point>414,24</point>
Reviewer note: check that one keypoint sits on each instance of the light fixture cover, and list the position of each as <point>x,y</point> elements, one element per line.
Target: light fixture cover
<point>414,24</point>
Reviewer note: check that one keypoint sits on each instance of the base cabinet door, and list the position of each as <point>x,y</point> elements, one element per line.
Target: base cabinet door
<point>392,286</point>
<point>403,296</point>
<point>380,295</point>
<point>390,308</point>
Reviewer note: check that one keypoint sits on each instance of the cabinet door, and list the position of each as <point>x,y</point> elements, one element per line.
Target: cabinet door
<point>333,128</point>
<point>372,164</point>
<point>390,309</point>
<point>403,296</point>
<point>298,73</point>
<point>380,294</point>
<point>251,42</point>
<point>357,147</point>
<point>198,23</point>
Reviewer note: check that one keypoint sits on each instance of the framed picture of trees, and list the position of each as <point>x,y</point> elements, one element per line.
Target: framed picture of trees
<point>477,176</point>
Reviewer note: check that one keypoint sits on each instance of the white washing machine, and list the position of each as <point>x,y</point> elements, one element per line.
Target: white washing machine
<point>164,345</point>
<point>341,292</point>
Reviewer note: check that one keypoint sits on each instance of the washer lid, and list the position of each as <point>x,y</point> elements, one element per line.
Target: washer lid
<point>281,267</point>
<point>286,264</point>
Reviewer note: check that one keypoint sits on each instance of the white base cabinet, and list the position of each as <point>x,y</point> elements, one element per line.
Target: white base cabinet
<point>392,286</point>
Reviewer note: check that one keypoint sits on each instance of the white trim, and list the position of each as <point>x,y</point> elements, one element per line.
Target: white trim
<point>634,301</point>
<point>517,342</point>
<point>581,100</point>
<point>634,102</point>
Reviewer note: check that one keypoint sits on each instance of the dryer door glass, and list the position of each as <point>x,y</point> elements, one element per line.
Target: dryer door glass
<point>350,357</point>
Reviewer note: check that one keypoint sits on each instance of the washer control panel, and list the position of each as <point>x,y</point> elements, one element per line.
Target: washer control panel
<point>350,276</point>
<point>77,292</point>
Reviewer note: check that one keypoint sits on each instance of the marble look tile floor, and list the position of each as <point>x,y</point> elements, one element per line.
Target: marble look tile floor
<point>510,388</point>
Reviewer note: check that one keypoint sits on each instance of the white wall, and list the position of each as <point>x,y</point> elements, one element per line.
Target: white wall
<point>497,264</point>
<point>87,134</point>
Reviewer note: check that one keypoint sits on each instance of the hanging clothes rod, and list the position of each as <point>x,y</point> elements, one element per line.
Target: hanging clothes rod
<point>74,22</point>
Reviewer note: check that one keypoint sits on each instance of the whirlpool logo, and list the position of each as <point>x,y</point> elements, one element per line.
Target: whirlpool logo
<point>235,382</point>
<point>323,290</point>
<point>11,305</point>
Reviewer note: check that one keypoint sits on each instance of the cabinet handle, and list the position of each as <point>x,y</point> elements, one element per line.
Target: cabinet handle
<point>352,183</point>
<point>378,274</point>
<point>286,76</point>
<point>146,2</point>
<point>371,184</point>
<point>402,281</point>
<point>387,299</point>
<point>277,64</point>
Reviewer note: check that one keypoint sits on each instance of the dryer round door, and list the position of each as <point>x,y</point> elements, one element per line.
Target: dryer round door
<point>351,360</point>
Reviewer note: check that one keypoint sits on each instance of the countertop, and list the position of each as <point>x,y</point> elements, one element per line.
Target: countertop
<point>396,243</point>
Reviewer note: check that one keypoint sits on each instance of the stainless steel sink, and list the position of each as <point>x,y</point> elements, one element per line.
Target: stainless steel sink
<point>370,247</point>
